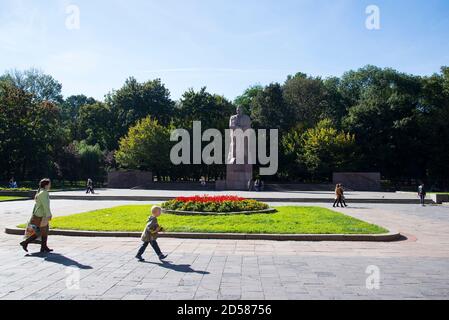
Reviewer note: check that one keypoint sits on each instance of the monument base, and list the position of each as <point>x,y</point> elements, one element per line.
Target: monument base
<point>238,175</point>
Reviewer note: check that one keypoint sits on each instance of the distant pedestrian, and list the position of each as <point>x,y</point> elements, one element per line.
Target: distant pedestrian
<point>250,185</point>
<point>203,181</point>
<point>339,196</point>
<point>257,185</point>
<point>343,198</point>
<point>12,183</point>
<point>90,186</point>
<point>38,226</point>
<point>150,234</point>
<point>422,194</point>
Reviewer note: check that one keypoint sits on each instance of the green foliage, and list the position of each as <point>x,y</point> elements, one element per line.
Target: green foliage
<point>224,206</point>
<point>307,97</point>
<point>287,220</point>
<point>2,198</point>
<point>321,150</point>
<point>399,122</point>
<point>30,133</point>
<point>80,161</point>
<point>145,147</point>
<point>245,100</point>
<point>40,86</point>
<point>270,110</point>
<point>135,101</point>
<point>16,189</point>
<point>212,110</point>
<point>96,124</point>
<point>384,119</point>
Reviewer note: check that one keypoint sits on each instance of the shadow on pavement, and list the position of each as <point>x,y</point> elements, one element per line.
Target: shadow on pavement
<point>59,259</point>
<point>185,268</point>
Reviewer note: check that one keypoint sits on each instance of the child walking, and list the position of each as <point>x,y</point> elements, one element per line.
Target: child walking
<point>150,233</point>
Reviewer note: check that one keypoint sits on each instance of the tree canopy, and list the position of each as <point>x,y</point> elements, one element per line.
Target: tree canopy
<point>370,119</point>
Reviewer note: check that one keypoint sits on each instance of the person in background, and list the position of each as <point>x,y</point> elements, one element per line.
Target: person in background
<point>250,185</point>
<point>90,186</point>
<point>338,196</point>
<point>39,222</point>
<point>12,183</point>
<point>422,194</point>
<point>257,185</point>
<point>203,181</point>
<point>342,200</point>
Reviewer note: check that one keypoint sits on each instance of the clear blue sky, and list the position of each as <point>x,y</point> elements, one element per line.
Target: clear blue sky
<point>226,45</point>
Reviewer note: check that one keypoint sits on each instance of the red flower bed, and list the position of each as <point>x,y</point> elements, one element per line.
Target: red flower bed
<point>206,203</point>
<point>207,199</point>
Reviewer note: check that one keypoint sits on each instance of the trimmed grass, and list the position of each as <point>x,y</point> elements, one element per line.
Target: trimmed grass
<point>4,198</point>
<point>288,220</point>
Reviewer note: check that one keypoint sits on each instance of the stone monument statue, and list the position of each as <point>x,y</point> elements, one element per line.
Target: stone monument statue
<point>238,121</point>
<point>238,175</point>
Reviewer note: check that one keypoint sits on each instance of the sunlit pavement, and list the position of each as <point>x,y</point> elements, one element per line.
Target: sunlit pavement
<point>105,268</point>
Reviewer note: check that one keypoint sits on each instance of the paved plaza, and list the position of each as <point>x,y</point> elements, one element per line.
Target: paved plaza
<point>308,196</point>
<point>415,268</point>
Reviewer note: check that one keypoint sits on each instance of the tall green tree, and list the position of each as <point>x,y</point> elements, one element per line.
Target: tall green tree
<point>307,97</point>
<point>434,128</point>
<point>384,119</point>
<point>270,110</point>
<point>41,86</point>
<point>212,110</point>
<point>146,147</point>
<point>96,124</point>
<point>324,150</point>
<point>70,110</point>
<point>136,100</point>
<point>246,99</point>
<point>30,133</point>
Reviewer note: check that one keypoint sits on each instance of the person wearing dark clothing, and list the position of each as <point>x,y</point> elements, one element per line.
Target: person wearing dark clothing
<point>342,200</point>
<point>339,196</point>
<point>257,185</point>
<point>90,186</point>
<point>12,184</point>
<point>422,194</point>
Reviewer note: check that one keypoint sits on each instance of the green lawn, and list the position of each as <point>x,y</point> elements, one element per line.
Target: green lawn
<point>288,220</point>
<point>2,198</point>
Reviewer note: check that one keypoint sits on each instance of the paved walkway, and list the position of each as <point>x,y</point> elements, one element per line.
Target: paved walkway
<point>299,196</point>
<point>269,194</point>
<point>417,268</point>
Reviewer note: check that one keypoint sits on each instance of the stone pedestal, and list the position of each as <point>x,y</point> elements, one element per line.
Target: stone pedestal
<point>358,181</point>
<point>238,175</point>
<point>128,179</point>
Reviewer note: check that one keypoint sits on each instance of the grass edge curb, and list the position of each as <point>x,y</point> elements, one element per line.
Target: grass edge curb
<point>386,237</point>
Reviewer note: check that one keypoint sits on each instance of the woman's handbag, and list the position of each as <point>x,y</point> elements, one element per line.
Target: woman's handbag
<point>33,227</point>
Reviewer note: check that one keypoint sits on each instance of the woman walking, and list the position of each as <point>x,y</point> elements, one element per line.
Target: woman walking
<point>343,198</point>
<point>39,222</point>
<point>339,196</point>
